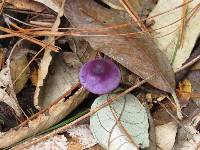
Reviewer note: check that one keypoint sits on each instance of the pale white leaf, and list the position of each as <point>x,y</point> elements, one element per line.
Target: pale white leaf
<point>168,43</point>
<point>165,135</point>
<point>133,118</point>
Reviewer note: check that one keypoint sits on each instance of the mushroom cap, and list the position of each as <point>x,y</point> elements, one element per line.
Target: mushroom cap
<point>100,76</point>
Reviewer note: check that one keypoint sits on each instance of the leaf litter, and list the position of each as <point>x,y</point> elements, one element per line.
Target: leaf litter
<point>59,37</point>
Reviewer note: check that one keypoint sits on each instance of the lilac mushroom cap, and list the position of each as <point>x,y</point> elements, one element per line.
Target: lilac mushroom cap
<point>100,76</point>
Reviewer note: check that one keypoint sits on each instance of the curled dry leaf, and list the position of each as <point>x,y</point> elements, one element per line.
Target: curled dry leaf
<point>139,55</point>
<point>165,135</point>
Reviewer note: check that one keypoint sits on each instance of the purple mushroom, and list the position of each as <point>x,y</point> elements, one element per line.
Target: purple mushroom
<point>100,76</point>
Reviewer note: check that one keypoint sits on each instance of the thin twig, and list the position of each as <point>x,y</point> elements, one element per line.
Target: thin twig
<point>36,41</point>
<point>133,14</point>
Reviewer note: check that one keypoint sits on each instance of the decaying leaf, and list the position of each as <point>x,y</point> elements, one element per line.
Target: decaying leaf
<point>140,55</point>
<point>168,44</point>
<point>165,135</point>
<point>124,122</point>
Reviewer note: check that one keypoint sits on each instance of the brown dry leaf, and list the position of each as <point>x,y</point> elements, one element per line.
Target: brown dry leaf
<point>139,55</point>
<point>26,5</point>
<point>184,90</point>
<point>43,121</point>
<point>161,116</point>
